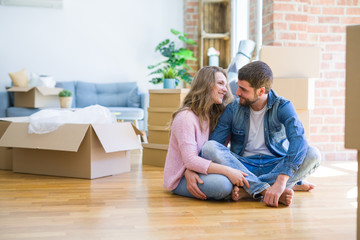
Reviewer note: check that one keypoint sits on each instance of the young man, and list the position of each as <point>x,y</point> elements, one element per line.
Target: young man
<point>267,140</point>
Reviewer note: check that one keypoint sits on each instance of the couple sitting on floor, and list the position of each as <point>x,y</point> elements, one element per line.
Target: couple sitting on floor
<point>269,155</point>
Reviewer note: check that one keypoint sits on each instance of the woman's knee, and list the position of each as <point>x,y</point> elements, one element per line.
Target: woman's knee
<point>216,186</point>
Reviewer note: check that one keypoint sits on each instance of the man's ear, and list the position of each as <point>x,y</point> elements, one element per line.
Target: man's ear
<point>261,91</point>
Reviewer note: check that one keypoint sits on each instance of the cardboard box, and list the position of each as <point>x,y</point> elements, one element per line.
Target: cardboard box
<point>73,150</point>
<point>304,117</point>
<point>352,100</point>
<point>35,97</point>
<point>6,152</point>
<point>158,134</point>
<point>167,98</point>
<point>292,62</point>
<point>160,116</point>
<point>154,154</point>
<point>300,91</point>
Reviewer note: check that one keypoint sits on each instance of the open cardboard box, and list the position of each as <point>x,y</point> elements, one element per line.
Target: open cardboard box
<point>35,97</point>
<point>6,152</point>
<point>73,150</point>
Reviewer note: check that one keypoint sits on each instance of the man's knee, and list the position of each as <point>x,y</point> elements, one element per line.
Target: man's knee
<point>209,149</point>
<point>313,157</point>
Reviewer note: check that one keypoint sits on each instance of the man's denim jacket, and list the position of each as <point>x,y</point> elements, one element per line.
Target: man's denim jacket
<point>284,133</point>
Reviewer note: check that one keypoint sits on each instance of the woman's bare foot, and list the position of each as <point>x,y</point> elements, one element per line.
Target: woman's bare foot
<point>238,193</point>
<point>306,186</point>
<point>286,197</point>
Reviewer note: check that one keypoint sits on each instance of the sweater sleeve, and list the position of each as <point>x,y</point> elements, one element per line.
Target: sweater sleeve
<point>186,131</point>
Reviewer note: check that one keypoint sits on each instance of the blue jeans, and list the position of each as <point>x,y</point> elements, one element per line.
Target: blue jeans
<point>215,187</point>
<point>262,170</point>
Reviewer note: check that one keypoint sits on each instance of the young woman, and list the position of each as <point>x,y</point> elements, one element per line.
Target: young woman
<point>191,124</point>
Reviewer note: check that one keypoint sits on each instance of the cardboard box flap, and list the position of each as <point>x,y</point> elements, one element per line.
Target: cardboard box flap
<point>67,137</point>
<point>117,136</point>
<point>20,89</point>
<point>15,119</point>
<point>49,91</point>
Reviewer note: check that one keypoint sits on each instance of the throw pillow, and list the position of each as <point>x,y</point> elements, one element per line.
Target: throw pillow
<point>19,79</point>
<point>134,99</point>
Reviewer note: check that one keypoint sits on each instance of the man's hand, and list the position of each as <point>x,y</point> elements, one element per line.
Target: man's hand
<point>192,179</point>
<point>274,192</point>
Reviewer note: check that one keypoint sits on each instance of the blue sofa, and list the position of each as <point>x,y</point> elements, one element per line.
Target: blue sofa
<point>122,97</point>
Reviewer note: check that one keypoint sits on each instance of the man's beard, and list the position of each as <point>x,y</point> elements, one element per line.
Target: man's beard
<point>247,102</point>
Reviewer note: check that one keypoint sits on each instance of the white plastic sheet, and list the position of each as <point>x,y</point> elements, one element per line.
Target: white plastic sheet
<point>49,120</point>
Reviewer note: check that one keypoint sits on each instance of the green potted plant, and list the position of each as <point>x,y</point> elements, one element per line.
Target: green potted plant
<point>169,77</point>
<point>65,97</point>
<point>175,65</point>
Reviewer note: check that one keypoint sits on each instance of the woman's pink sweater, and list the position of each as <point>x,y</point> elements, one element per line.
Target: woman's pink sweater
<point>186,141</point>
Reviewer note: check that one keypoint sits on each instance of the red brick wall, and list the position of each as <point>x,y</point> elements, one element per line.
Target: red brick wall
<point>318,23</point>
<point>191,27</point>
<point>310,23</point>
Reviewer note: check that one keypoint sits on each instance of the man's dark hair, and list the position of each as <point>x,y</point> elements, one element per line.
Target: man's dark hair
<point>258,74</point>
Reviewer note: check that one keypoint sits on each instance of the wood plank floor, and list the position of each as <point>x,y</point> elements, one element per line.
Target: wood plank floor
<point>135,206</point>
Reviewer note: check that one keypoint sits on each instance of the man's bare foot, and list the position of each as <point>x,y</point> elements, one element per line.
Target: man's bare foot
<point>238,193</point>
<point>286,197</point>
<point>306,186</point>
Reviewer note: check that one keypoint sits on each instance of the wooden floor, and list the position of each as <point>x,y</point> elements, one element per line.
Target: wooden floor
<point>135,206</point>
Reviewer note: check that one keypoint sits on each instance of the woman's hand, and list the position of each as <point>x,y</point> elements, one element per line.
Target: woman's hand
<point>192,179</point>
<point>237,177</point>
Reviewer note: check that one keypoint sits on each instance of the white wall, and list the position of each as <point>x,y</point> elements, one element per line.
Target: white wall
<point>88,40</point>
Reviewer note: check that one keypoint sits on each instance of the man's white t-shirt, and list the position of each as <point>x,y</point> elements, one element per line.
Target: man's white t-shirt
<point>256,140</point>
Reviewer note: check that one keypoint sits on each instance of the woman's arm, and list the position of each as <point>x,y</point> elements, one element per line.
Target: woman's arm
<point>236,177</point>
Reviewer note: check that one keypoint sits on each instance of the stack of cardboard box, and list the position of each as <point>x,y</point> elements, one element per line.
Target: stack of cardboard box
<point>295,70</point>
<point>163,102</point>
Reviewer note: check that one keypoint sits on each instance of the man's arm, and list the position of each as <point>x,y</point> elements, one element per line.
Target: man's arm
<point>295,133</point>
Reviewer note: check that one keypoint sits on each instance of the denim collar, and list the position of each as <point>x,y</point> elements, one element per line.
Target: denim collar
<point>272,96</point>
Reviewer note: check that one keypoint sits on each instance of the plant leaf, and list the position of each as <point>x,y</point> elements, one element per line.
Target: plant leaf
<point>162,44</point>
<point>187,40</point>
<point>176,32</point>
<point>186,54</point>
<point>158,71</point>
<point>156,80</point>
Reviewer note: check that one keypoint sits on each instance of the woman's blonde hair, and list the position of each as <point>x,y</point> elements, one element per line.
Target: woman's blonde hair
<point>199,98</point>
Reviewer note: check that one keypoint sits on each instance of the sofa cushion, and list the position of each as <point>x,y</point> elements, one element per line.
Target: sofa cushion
<point>122,94</point>
<point>20,111</point>
<point>134,99</point>
<point>68,86</point>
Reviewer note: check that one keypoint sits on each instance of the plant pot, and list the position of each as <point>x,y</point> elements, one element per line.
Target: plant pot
<point>65,102</point>
<point>169,83</point>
